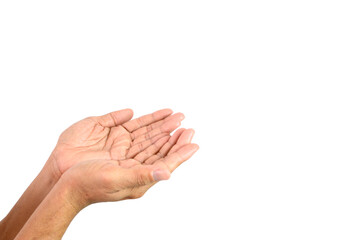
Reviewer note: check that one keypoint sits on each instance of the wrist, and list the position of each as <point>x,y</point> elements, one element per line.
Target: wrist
<point>52,166</point>
<point>29,201</point>
<point>54,214</point>
<point>71,193</point>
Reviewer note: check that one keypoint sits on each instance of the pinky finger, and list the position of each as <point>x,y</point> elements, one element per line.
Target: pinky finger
<point>166,148</point>
<point>175,159</point>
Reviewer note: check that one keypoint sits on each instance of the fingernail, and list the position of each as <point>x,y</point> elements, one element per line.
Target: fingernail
<point>182,116</point>
<point>191,134</point>
<point>168,111</point>
<point>160,175</point>
<point>194,149</point>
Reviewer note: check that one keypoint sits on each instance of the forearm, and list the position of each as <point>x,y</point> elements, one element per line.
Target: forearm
<point>29,201</point>
<point>54,214</point>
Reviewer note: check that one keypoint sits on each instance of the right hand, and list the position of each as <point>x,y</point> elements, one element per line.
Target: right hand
<point>114,180</point>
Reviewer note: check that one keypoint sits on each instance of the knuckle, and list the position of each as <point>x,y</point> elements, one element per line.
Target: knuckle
<point>113,118</point>
<point>160,154</point>
<point>140,146</point>
<point>140,122</point>
<point>149,128</point>
<point>132,135</point>
<point>147,136</point>
<point>140,180</point>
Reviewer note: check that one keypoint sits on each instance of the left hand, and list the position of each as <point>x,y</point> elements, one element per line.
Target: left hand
<point>113,136</point>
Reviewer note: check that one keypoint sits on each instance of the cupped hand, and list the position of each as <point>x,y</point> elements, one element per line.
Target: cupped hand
<point>113,136</point>
<point>114,180</point>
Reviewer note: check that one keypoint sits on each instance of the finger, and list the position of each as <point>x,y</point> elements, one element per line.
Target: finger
<point>184,139</point>
<point>165,149</point>
<point>167,127</point>
<point>115,118</point>
<point>177,116</point>
<point>141,175</point>
<point>147,119</point>
<point>134,150</point>
<point>151,150</point>
<point>175,159</point>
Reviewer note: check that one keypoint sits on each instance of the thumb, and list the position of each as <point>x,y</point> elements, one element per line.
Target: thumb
<point>116,118</point>
<point>143,175</point>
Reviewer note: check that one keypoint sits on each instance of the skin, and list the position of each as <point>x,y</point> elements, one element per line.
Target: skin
<point>109,182</point>
<point>108,146</point>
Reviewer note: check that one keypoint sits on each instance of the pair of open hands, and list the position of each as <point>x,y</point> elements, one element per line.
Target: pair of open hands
<point>111,157</point>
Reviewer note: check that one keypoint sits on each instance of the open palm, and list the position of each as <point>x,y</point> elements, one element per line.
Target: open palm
<point>114,136</point>
<point>113,180</point>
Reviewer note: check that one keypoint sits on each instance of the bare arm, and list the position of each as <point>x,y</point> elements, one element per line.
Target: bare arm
<point>111,180</point>
<point>53,216</point>
<point>111,136</point>
<point>28,202</point>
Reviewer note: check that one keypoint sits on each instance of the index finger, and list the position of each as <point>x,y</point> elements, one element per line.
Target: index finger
<point>147,119</point>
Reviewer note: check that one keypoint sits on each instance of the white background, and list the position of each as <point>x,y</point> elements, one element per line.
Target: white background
<point>270,87</point>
